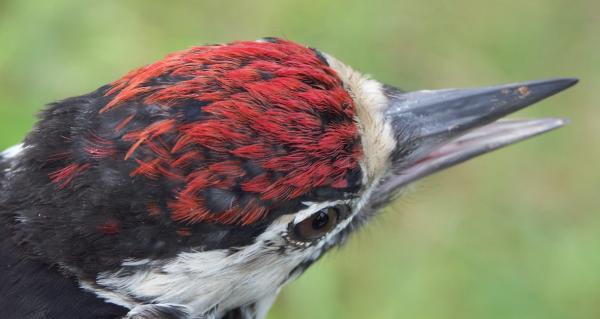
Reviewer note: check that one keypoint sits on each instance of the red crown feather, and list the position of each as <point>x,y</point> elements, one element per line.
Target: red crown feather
<point>251,124</point>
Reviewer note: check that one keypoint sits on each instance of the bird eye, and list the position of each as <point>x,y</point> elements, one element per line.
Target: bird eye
<point>318,224</point>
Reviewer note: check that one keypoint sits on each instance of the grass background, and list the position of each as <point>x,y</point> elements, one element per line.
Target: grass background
<point>515,234</point>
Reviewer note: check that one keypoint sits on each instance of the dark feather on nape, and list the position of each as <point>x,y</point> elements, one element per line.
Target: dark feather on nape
<point>270,39</point>
<point>320,56</point>
<point>326,194</point>
<point>4,165</point>
<point>265,76</point>
<point>166,79</point>
<point>190,110</point>
<point>251,168</point>
<point>355,178</point>
<point>219,200</point>
<point>234,314</point>
<point>30,288</point>
<point>159,311</point>
<point>245,312</point>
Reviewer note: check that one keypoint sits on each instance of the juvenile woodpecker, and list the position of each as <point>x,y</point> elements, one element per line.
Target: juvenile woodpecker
<point>199,185</point>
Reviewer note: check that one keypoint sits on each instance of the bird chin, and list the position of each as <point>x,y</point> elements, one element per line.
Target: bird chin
<point>477,142</point>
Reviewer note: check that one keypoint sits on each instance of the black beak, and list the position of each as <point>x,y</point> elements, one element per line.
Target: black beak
<point>441,128</point>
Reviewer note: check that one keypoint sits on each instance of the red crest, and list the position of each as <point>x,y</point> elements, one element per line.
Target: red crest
<point>244,127</point>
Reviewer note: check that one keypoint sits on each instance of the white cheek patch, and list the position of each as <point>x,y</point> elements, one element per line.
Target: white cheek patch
<point>203,280</point>
<point>206,280</point>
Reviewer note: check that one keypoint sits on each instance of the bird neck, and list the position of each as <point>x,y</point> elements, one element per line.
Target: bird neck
<point>31,288</point>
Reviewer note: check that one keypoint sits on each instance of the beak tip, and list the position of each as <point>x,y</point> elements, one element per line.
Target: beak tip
<point>572,81</point>
<point>561,84</point>
<point>564,121</point>
<point>555,123</point>
<point>534,91</point>
<point>569,82</point>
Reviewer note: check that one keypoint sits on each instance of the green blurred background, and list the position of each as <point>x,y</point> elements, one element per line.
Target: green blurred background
<point>515,234</point>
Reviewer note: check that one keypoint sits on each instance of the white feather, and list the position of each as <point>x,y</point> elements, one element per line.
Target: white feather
<point>12,151</point>
<point>218,279</point>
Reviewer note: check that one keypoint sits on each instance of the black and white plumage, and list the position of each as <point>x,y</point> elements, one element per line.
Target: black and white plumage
<point>106,211</point>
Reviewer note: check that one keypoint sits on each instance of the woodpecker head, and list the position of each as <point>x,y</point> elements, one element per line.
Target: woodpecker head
<point>209,179</point>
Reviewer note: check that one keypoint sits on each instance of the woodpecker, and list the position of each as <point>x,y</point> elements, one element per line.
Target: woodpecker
<point>199,185</point>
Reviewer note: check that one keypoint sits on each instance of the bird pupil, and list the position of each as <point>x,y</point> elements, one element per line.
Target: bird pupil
<point>320,221</point>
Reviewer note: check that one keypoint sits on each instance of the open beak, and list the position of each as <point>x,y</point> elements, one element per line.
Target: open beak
<point>441,128</point>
